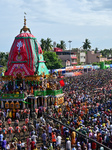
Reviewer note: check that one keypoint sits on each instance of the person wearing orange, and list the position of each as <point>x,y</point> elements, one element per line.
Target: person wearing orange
<point>24,113</point>
<point>13,114</point>
<point>59,115</point>
<point>54,139</point>
<point>17,131</point>
<point>26,121</point>
<point>73,138</point>
<point>25,110</point>
<point>16,123</point>
<point>31,89</point>
<point>4,131</point>
<point>98,136</point>
<point>9,121</point>
<point>79,118</point>
<point>86,110</point>
<point>24,129</point>
<point>28,113</point>
<point>0,123</point>
<point>36,110</point>
<point>10,131</point>
<point>62,131</point>
<point>0,129</point>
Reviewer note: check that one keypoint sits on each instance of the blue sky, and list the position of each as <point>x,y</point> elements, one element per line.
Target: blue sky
<point>66,20</point>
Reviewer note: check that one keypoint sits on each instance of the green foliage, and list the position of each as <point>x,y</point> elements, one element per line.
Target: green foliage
<point>62,45</point>
<point>96,63</point>
<point>106,52</point>
<point>52,60</point>
<point>86,45</point>
<point>46,45</point>
<point>3,58</point>
<point>96,50</point>
<point>106,62</point>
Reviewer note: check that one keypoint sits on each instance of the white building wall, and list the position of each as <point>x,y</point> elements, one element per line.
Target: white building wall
<point>82,57</point>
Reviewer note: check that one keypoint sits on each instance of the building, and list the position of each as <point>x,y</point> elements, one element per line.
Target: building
<point>68,58</point>
<point>81,57</point>
<point>92,57</point>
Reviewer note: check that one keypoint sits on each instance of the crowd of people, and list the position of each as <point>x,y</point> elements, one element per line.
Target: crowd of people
<point>87,108</point>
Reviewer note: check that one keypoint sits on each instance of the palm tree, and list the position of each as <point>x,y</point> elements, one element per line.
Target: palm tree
<point>62,45</point>
<point>43,44</point>
<point>48,46</point>
<point>86,44</point>
<point>96,50</point>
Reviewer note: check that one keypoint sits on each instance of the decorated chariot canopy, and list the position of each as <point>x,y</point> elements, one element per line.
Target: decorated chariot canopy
<point>25,57</point>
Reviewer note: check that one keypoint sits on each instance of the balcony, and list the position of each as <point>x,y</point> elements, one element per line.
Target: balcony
<point>13,96</point>
<point>48,92</point>
<point>74,63</point>
<point>55,92</point>
<point>73,56</point>
<point>39,93</point>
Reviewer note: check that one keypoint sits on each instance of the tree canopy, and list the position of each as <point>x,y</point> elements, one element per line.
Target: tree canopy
<point>52,60</point>
<point>106,52</point>
<point>3,58</point>
<point>62,45</point>
<point>86,45</point>
<point>46,45</point>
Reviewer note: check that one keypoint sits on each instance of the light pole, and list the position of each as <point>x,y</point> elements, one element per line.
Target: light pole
<point>70,50</point>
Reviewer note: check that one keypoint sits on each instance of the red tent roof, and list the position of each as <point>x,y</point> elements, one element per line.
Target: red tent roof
<point>25,35</point>
<point>23,56</point>
<point>56,49</point>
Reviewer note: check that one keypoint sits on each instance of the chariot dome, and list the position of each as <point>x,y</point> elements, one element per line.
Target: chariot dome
<point>25,57</point>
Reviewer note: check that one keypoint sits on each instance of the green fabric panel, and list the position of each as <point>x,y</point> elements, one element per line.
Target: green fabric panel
<point>30,54</point>
<point>26,51</point>
<point>42,69</point>
<point>19,61</point>
<point>41,57</point>
<point>34,51</point>
<point>25,37</point>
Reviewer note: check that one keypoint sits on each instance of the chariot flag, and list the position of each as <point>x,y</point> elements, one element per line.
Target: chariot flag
<point>61,82</point>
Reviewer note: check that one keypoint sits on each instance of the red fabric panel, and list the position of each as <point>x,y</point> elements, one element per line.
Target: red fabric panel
<point>19,68</point>
<point>56,49</point>
<point>25,35</point>
<point>61,82</point>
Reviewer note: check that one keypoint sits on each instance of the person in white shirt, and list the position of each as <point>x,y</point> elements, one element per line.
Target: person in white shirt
<point>7,146</point>
<point>22,145</point>
<point>68,144</point>
<point>49,131</point>
<point>34,137</point>
<point>58,140</point>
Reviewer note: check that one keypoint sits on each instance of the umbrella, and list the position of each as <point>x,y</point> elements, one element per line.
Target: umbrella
<point>95,115</point>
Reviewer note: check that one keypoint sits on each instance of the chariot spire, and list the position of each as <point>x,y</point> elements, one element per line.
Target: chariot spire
<point>25,28</point>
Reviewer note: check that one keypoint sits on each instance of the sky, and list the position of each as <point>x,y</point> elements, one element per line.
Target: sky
<point>74,20</point>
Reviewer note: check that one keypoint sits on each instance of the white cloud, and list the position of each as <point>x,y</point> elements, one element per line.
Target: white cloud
<point>60,19</point>
<point>72,12</point>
